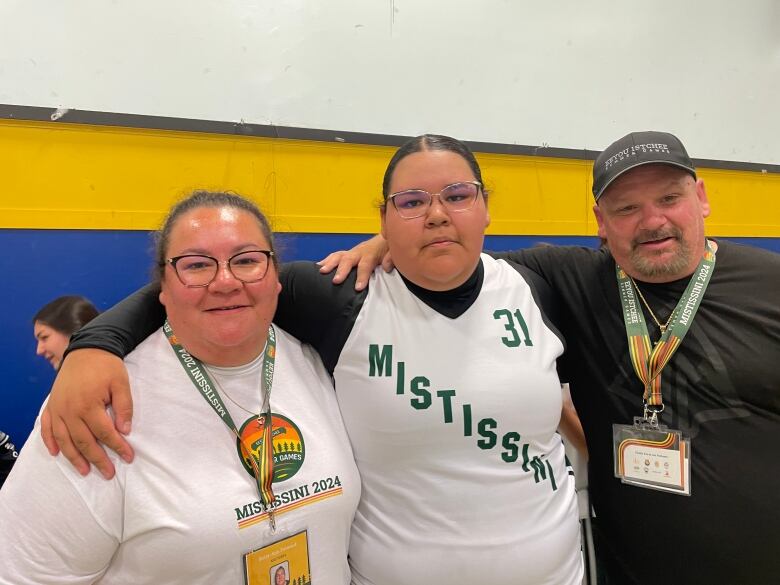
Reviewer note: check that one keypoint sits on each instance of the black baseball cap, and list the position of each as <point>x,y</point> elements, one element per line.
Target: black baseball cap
<point>637,149</point>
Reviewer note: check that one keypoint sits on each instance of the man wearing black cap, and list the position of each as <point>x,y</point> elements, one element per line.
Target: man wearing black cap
<point>657,238</point>
<point>683,333</point>
<point>704,364</point>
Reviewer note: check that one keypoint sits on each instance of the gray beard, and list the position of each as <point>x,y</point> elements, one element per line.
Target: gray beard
<point>644,265</point>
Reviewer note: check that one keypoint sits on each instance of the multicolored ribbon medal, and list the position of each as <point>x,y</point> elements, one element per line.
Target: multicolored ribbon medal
<point>266,459</point>
<point>648,454</point>
<point>649,361</point>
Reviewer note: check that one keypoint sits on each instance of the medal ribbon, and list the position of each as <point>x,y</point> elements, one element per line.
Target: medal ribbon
<point>648,362</point>
<point>263,463</point>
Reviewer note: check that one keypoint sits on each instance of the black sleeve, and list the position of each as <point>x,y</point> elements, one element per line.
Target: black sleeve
<point>316,311</point>
<point>125,325</point>
<point>536,259</point>
<point>8,455</point>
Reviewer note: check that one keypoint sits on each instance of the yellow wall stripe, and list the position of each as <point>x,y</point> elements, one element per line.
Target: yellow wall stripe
<point>72,176</point>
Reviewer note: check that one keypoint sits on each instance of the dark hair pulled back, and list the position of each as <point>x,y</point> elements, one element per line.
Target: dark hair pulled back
<point>66,314</point>
<point>200,199</point>
<point>425,143</point>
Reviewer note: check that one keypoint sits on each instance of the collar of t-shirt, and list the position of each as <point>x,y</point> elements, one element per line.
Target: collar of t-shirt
<point>451,303</point>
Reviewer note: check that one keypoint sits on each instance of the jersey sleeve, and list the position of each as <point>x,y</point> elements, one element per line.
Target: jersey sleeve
<point>316,311</point>
<point>543,266</point>
<point>545,297</point>
<point>531,264</point>
<point>540,259</point>
<point>124,326</point>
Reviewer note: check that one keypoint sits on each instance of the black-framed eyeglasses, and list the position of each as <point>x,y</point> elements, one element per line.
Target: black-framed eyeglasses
<point>457,197</point>
<point>197,270</point>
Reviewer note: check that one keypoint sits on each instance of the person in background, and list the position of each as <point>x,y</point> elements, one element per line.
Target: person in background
<point>56,321</point>
<point>53,326</point>
<point>242,453</point>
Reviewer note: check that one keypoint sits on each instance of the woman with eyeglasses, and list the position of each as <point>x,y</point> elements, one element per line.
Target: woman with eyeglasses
<point>445,372</point>
<point>242,459</point>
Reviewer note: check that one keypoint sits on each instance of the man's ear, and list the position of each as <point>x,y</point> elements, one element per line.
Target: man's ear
<point>599,220</point>
<point>704,202</point>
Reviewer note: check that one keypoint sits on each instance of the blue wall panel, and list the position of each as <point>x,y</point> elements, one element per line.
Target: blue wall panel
<point>104,266</point>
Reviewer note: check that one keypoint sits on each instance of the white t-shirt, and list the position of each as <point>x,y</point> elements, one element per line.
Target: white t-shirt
<point>186,510</point>
<point>453,426</point>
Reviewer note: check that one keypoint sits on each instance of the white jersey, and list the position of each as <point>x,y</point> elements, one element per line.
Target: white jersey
<point>186,510</point>
<point>453,426</point>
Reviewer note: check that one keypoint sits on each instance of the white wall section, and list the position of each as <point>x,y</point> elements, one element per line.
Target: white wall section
<point>565,73</point>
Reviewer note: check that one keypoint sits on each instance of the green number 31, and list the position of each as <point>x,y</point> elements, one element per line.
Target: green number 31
<point>510,325</point>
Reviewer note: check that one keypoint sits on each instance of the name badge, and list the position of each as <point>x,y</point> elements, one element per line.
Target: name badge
<point>283,562</point>
<point>652,457</point>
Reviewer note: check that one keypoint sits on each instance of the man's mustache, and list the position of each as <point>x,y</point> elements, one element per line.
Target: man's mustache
<point>655,235</point>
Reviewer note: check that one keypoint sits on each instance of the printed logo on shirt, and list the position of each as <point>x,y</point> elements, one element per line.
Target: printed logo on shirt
<point>288,443</point>
<point>423,395</point>
<point>289,500</point>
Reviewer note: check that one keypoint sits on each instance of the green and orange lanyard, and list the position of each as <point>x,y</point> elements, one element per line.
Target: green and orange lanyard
<point>649,360</point>
<point>263,462</point>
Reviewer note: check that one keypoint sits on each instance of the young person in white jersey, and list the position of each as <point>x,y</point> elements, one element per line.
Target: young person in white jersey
<point>446,378</point>
<point>242,459</point>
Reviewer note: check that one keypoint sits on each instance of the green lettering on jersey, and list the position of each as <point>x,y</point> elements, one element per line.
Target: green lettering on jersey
<point>509,442</point>
<point>419,387</point>
<point>485,429</point>
<point>466,420</point>
<point>552,477</point>
<point>399,383</point>
<point>525,457</point>
<point>377,360</point>
<point>446,397</point>
<point>540,471</point>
